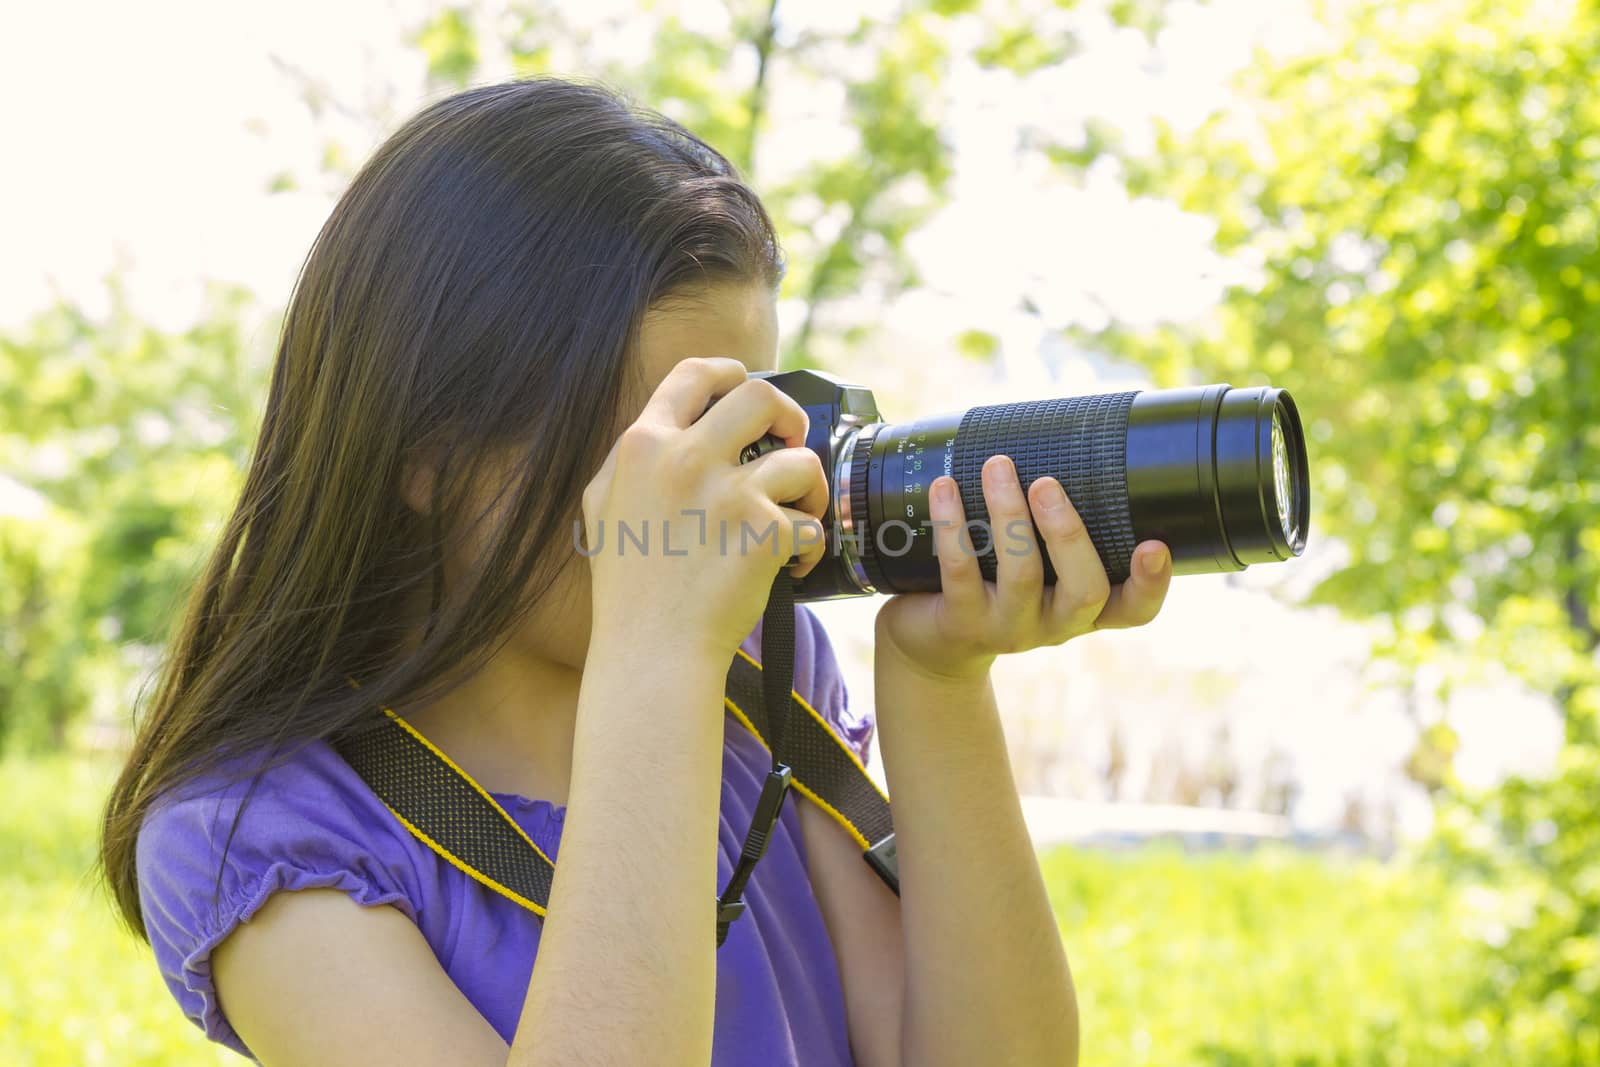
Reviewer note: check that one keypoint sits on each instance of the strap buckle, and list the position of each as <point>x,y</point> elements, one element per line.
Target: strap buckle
<point>765,817</point>
<point>884,859</point>
<point>731,904</point>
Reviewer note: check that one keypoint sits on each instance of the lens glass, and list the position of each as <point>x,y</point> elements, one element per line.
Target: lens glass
<point>1282,486</point>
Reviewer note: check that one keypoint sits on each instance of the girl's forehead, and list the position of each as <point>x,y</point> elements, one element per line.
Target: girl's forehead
<point>736,321</point>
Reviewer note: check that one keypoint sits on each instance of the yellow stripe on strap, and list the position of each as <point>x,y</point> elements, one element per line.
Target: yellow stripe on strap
<point>473,782</point>
<point>444,853</point>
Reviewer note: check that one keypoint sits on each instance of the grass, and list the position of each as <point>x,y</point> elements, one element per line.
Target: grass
<point>1271,958</point>
<point>75,987</point>
<point>1219,961</point>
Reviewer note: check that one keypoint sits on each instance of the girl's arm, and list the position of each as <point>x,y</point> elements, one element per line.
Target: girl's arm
<point>988,980</point>
<point>626,971</point>
<point>982,976</point>
<point>627,961</point>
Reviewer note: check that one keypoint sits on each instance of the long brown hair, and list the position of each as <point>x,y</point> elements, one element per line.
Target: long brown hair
<point>479,286</point>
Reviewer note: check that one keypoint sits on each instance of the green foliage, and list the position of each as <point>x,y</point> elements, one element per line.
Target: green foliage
<point>131,441</point>
<point>978,344</point>
<point>1418,238</point>
<point>1414,208</point>
<point>450,45</point>
<point>1019,48</point>
<point>42,673</point>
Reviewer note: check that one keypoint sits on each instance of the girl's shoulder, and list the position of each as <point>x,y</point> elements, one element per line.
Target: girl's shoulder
<point>211,853</point>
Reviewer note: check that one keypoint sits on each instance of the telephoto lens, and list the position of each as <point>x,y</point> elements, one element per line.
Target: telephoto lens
<point>1218,474</point>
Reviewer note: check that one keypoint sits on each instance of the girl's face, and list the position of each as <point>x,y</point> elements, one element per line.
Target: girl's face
<point>733,320</point>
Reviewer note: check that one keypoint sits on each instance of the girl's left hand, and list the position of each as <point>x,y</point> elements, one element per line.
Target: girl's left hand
<point>957,633</point>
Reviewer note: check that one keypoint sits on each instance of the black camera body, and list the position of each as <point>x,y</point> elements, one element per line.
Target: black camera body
<point>837,410</point>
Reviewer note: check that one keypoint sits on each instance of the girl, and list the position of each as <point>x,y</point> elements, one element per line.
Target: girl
<point>513,322</point>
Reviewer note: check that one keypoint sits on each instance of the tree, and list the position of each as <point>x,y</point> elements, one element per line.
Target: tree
<point>129,441</point>
<point>876,163</point>
<point>843,216</point>
<point>1412,207</point>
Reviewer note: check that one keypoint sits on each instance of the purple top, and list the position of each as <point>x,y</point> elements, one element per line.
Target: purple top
<point>312,823</point>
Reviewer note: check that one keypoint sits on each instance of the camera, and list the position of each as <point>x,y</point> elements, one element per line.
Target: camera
<point>1218,474</point>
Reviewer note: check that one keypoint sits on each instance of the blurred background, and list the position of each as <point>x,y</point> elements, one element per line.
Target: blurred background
<point>1336,811</point>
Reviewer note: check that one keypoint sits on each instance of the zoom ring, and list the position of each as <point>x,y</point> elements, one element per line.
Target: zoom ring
<point>1082,441</point>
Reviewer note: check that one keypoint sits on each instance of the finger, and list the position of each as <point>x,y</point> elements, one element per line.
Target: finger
<point>1019,567</point>
<point>689,386</point>
<point>807,543</point>
<point>767,532</point>
<point>960,579</point>
<point>1081,585</point>
<point>791,476</point>
<point>1139,599</point>
<point>752,410</point>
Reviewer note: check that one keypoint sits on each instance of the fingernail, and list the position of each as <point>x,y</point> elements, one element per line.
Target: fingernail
<point>1156,563</point>
<point>1005,473</point>
<point>1052,497</point>
<point>944,491</point>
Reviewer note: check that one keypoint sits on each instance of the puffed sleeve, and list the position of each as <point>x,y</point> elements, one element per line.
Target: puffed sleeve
<point>819,681</point>
<point>308,824</point>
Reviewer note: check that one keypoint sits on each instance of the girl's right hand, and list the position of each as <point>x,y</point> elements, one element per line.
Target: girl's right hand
<point>684,540</point>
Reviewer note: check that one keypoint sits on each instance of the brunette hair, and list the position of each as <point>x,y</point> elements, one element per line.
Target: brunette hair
<point>478,287</point>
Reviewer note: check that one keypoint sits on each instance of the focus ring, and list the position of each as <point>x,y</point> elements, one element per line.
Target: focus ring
<point>1081,441</point>
<point>860,520</point>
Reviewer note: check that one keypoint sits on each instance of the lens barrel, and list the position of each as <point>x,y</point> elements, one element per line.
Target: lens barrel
<point>1218,474</point>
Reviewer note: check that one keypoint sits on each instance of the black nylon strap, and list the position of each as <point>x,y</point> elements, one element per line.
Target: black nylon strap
<point>777,659</point>
<point>777,677</point>
<point>449,812</point>
<point>824,768</point>
<point>444,807</point>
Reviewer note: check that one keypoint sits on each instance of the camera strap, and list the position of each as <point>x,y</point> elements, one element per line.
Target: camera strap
<point>444,808</point>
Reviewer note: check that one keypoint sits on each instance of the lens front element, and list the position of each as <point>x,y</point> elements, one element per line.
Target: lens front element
<point>1280,478</point>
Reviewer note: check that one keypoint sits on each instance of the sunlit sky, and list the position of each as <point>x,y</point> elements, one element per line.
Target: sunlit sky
<point>142,137</point>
